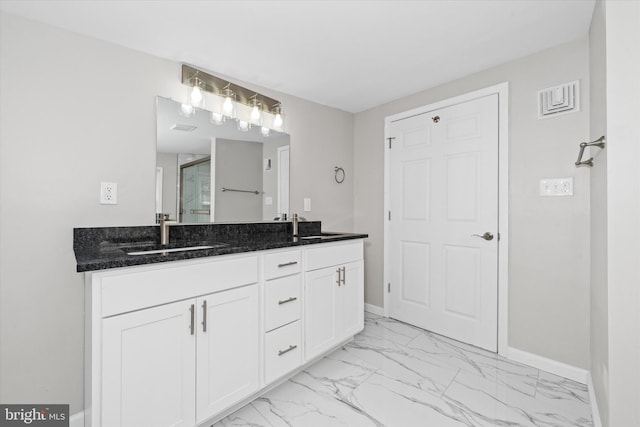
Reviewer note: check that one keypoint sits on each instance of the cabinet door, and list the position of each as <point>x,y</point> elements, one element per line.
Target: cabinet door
<point>320,310</point>
<point>350,301</point>
<point>148,368</point>
<point>228,359</point>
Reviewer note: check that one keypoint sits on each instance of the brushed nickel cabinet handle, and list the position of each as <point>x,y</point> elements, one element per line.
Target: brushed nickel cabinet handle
<point>204,316</point>
<point>344,274</point>
<point>290,299</point>
<point>339,280</point>
<point>291,347</point>
<point>192,327</point>
<point>287,264</point>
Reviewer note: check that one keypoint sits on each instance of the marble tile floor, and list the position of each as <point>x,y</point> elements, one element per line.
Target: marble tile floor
<point>396,375</point>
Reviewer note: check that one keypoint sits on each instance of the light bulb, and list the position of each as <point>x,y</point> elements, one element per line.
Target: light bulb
<point>264,131</point>
<point>277,122</point>
<point>255,114</point>
<point>227,107</point>
<point>196,96</point>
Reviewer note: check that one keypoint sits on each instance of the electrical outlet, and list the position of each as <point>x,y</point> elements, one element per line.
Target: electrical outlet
<point>108,193</point>
<point>307,204</point>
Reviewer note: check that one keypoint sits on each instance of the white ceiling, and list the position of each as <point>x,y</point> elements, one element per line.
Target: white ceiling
<point>352,55</point>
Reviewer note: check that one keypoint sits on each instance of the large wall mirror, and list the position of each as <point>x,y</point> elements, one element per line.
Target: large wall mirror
<point>208,172</point>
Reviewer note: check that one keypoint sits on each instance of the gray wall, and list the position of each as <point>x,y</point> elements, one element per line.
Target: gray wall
<point>270,178</point>
<point>549,246</point>
<point>71,116</point>
<point>238,165</point>
<point>622,20</point>
<point>599,349</point>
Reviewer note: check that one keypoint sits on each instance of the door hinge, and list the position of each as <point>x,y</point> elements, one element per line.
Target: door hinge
<point>390,139</point>
<point>389,287</point>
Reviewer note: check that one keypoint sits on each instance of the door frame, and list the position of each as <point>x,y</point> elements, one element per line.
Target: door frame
<point>502,90</point>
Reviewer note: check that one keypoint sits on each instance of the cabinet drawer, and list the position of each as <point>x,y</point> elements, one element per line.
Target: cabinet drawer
<point>281,264</point>
<point>326,255</point>
<point>282,351</point>
<point>142,287</point>
<point>282,301</point>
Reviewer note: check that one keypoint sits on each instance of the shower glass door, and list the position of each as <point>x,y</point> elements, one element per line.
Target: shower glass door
<point>195,191</point>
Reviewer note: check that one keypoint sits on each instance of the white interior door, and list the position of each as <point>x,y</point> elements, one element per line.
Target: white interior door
<point>444,198</point>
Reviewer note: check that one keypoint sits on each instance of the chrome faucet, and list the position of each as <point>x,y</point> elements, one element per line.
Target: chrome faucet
<point>164,230</point>
<point>294,223</point>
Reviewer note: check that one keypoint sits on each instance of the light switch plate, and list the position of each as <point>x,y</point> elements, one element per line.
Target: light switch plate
<point>307,205</point>
<point>268,200</point>
<point>556,187</point>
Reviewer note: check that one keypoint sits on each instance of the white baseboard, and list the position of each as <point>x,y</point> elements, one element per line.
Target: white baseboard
<point>548,365</point>
<point>77,419</point>
<point>374,309</point>
<point>595,413</point>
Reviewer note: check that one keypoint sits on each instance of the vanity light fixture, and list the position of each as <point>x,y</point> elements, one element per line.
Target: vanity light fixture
<point>201,83</point>
<point>265,131</point>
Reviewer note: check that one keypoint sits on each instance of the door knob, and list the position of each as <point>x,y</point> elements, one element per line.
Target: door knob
<point>485,236</point>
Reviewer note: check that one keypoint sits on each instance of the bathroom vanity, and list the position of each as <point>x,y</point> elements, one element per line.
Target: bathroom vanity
<point>185,340</point>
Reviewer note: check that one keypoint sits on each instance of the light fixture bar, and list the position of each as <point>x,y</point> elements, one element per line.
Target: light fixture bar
<point>217,86</point>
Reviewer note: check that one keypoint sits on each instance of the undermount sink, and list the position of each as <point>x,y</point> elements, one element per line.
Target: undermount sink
<point>178,249</point>
<point>324,236</point>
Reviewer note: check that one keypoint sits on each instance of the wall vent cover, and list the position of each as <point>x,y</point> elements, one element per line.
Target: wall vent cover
<point>558,100</point>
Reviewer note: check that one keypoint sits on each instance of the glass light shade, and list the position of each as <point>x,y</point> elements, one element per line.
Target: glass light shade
<point>265,131</point>
<point>217,118</point>
<point>187,110</point>
<point>197,97</point>
<point>243,126</point>
<point>278,122</point>
<point>228,108</point>
<point>255,114</point>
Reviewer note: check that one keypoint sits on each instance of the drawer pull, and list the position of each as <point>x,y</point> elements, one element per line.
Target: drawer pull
<point>291,347</point>
<point>204,316</point>
<point>287,264</point>
<point>291,299</point>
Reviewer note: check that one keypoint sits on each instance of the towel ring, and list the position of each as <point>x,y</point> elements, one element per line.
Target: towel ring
<point>339,174</point>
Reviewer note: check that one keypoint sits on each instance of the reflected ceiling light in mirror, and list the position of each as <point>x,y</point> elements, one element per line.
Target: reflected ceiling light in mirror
<point>264,131</point>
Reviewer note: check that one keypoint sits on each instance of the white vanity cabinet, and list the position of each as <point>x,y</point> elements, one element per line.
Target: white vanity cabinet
<point>334,295</point>
<point>172,344</point>
<point>183,343</point>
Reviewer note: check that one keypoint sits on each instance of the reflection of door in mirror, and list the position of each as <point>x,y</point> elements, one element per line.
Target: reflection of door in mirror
<point>195,191</point>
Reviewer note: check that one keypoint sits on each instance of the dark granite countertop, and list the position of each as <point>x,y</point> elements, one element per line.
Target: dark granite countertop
<point>110,247</point>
